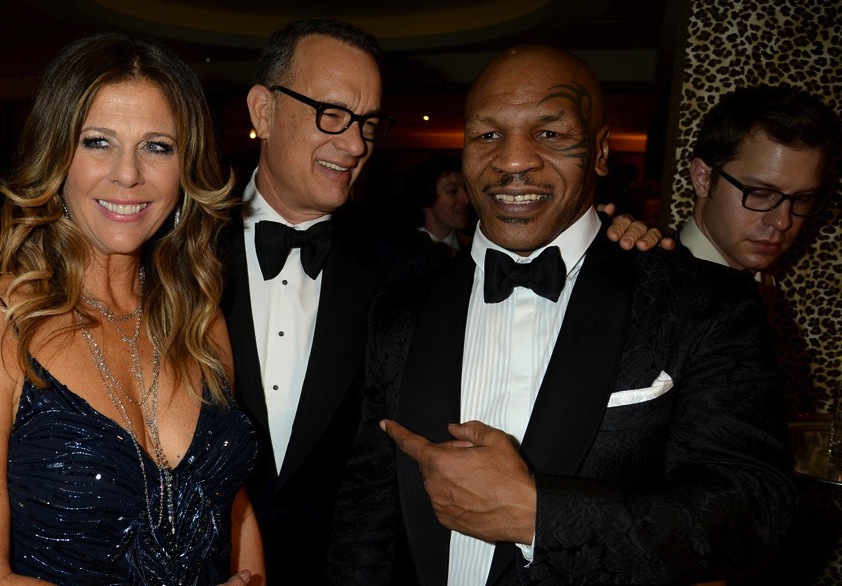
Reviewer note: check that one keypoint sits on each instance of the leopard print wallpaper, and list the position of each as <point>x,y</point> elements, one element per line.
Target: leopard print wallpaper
<point>734,43</point>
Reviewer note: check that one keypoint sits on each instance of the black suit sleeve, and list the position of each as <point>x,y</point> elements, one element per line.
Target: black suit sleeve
<point>693,485</point>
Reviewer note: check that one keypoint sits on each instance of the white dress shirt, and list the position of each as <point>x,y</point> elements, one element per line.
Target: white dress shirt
<point>284,312</point>
<point>507,349</point>
<point>451,239</point>
<point>698,244</point>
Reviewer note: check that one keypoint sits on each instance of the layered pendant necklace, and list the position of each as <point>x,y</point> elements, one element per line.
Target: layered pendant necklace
<point>147,397</point>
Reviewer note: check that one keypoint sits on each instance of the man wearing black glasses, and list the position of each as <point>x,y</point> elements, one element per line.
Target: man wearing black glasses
<point>301,280</point>
<point>760,167</point>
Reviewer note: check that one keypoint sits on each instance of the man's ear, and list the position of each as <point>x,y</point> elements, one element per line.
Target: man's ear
<point>601,162</point>
<point>700,173</point>
<point>261,104</point>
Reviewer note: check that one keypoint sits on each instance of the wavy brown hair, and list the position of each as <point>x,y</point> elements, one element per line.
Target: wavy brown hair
<point>44,255</point>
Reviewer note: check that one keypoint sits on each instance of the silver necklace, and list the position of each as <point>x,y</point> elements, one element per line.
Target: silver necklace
<point>116,392</point>
<point>112,317</point>
<point>131,342</point>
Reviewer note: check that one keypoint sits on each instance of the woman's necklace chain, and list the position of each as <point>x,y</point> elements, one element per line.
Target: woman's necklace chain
<point>116,391</point>
<point>112,317</point>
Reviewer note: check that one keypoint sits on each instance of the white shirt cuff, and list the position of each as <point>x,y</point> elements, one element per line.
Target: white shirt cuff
<point>528,551</point>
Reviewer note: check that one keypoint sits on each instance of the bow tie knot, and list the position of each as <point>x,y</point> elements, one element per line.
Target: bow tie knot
<point>544,275</point>
<point>273,242</point>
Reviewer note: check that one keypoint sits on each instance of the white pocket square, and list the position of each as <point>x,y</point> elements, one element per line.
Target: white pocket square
<point>660,386</point>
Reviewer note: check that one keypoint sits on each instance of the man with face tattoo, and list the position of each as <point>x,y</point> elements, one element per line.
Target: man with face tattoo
<point>552,409</point>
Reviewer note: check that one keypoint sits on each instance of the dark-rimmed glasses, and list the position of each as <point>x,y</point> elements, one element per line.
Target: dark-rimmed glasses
<point>765,199</point>
<point>333,119</point>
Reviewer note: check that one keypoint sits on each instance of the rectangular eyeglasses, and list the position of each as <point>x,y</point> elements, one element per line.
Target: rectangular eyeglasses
<point>333,119</point>
<point>765,199</point>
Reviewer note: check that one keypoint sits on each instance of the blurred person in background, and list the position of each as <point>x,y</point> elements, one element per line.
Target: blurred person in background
<point>436,191</point>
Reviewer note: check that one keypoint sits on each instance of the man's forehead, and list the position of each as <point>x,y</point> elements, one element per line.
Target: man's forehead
<point>544,102</point>
<point>535,77</point>
<point>535,64</point>
<point>758,145</point>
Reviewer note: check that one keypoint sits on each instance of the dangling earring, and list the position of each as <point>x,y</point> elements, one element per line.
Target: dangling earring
<point>64,206</point>
<point>176,217</point>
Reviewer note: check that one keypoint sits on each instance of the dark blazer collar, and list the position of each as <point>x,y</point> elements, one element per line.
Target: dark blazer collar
<point>337,350</point>
<point>582,370</point>
<point>430,399</point>
<point>236,306</point>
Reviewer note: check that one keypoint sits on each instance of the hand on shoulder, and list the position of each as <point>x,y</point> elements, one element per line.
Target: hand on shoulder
<point>630,233</point>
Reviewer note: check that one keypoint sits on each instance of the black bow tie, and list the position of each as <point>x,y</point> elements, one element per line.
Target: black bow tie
<point>544,275</point>
<point>274,240</point>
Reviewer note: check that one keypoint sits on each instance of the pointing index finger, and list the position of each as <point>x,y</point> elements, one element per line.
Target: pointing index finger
<point>410,443</point>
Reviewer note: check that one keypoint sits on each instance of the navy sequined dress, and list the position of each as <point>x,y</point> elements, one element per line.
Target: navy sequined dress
<point>79,511</point>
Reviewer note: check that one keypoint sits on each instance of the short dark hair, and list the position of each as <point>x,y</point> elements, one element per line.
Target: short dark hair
<point>788,116</point>
<point>423,178</point>
<point>276,60</point>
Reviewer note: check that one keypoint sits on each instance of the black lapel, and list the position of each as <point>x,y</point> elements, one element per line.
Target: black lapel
<point>336,355</point>
<point>582,371</point>
<point>429,400</point>
<point>236,306</point>
<point>583,368</point>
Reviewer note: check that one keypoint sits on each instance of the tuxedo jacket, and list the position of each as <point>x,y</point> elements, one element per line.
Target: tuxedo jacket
<point>636,482</point>
<point>294,506</point>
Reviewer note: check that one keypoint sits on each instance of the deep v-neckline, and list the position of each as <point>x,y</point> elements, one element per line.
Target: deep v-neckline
<point>84,405</point>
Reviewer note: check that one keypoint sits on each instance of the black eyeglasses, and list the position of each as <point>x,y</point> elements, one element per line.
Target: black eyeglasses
<point>333,119</point>
<point>764,199</point>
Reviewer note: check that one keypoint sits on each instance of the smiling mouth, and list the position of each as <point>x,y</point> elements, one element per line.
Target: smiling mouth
<point>333,166</point>
<point>520,198</point>
<point>122,209</point>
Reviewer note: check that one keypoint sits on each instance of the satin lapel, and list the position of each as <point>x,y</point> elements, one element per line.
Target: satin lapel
<point>236,306</point>
<point>338,343</point>
<point>582,371</point>
<point>583,367</point>
<point>430,399</point>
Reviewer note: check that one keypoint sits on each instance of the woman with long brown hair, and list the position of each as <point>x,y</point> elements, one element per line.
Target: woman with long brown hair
<point>122,453</point>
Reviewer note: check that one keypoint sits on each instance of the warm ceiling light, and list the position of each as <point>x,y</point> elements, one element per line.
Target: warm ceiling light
<point>426,118</point>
